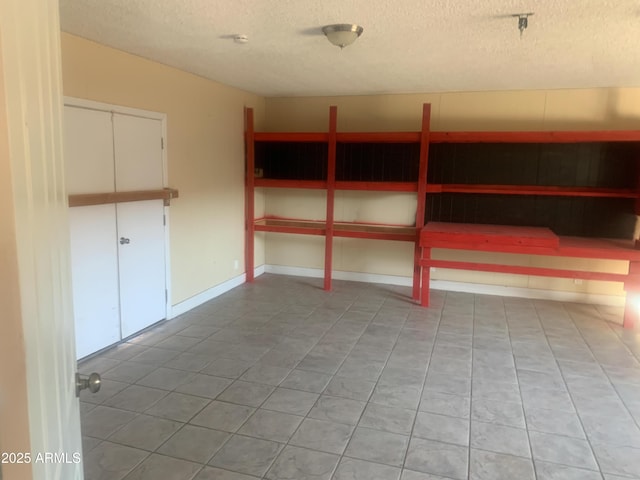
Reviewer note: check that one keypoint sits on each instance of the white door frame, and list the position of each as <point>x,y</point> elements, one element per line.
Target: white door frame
<point>162,117</point>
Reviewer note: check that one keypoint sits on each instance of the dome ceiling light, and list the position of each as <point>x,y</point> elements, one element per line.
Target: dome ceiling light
<point>342,34</point>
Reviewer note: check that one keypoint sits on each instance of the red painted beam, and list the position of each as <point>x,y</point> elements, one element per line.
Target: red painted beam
<point>291,137</point>
<point>631,310</point>
<point>250,195</point>
<point>532,190</point>
<point>331,192</point>
<point>536,137</point>
<point>378,186</point>
<point>378,137</point>
<point>526,270</point>
<point>290,229</point>
<point>422,193</point>
<point>402,237</point>
<point>306,184</point>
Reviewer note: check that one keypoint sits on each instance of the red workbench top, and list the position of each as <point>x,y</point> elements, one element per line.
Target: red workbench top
<point>475,234</point>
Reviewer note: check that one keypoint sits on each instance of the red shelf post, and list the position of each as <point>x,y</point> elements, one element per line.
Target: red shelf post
<point>422,192</point>
<point>331,190</point>
<point>250,196</point>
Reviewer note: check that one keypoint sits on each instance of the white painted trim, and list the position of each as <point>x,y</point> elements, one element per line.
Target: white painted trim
<point>210,294</point>
<point>107,107</point>
<point>202,297</point>
<point>483,289</point>
<point>258,271</point>
<point>167,262</point>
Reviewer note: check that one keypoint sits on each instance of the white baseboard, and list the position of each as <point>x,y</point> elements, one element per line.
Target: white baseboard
<point>210,294</point>
<point>483,289</point>
<point>556,295</point>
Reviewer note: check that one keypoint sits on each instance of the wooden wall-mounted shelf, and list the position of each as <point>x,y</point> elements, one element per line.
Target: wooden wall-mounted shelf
<point>319,168</point>
<point>87,199</point>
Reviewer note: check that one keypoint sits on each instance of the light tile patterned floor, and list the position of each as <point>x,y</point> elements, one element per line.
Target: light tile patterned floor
<point>281,380</point>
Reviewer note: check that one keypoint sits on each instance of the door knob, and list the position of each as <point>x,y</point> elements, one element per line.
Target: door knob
<point>124,241</point>
<point>93,382</point>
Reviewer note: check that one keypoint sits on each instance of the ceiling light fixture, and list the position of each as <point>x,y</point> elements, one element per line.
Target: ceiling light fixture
<point>240,38</point>
<point>523,21</point>
<point>342,34</point>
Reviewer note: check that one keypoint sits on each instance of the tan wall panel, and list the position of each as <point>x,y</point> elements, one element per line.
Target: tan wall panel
<point>382,257</point>
<point>205,124</point>
<point>294,250</point>
<point>296,203</point>
<point>376,207</point>
<point>384,113</point>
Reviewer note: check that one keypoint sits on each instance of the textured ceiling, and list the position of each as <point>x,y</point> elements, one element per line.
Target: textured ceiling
<point>407,45</point>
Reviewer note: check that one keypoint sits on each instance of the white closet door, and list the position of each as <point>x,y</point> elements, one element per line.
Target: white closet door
<point>94,267</point>
<point>88,151</point>
<point>141,261</point>
<point>138,153</point>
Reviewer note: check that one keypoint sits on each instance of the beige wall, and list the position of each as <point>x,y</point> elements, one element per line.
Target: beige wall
<point>14,417</point>
<point>205,153</point>
<point>588,109</point>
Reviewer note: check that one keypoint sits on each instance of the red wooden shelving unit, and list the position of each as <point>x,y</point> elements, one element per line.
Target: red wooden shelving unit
<point>329,228</point>
<point>580,247</point>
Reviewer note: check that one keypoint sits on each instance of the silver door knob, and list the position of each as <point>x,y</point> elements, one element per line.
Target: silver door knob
<point>93,382</point>
<point>124,241</point>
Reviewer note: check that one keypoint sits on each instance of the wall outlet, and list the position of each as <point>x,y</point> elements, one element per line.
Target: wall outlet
<point>236,264</point>
<point>577,281</point>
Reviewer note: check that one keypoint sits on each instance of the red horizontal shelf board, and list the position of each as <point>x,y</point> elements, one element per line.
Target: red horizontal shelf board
<point>285,229</point>
<point>478,237</point>
<point>272,183</point>
<point>536,137</point>
<point>533,190</point>
<point>340,229</point>
<point>375,235</point>
<point>378,137</point>
<point>605,248</point>
<point>601,248</point>
<point>456,137</point>
<point>525,270</point>
<point>291,137</point>
<point>478,234</point>
<point>378,186</point>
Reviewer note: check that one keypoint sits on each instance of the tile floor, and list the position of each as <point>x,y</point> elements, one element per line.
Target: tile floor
<point>281,380</point>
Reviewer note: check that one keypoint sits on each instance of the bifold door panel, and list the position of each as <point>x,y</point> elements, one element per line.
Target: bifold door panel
<point>94,266</point>
<point>138,153</point>
<point>88,151</point>
<point>141,261</point>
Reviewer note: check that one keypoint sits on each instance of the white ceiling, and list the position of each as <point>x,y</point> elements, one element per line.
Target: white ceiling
<point>407,45</point>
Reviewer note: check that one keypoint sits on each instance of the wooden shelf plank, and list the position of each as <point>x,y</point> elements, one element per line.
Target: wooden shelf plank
<point>526,270</point>
<point>536,137</point>
<point>291,137</point>
<point>378,186</point>
<point>341,229</point>
<point>86,199</point>
<point>533,190</point>
<point>378,137</point>
<point>274,183</point>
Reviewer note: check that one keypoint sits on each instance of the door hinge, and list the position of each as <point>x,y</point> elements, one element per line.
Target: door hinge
<point>162,143</point>
<point>166,295</point>
<point>164,220</point>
